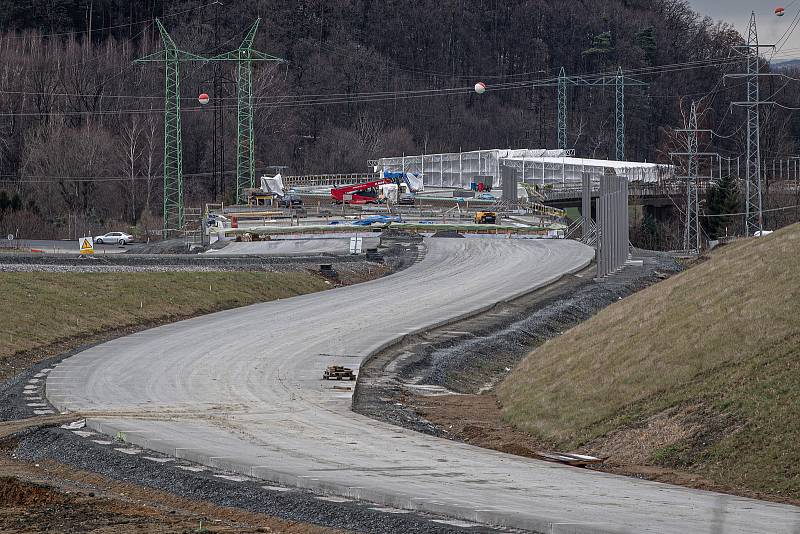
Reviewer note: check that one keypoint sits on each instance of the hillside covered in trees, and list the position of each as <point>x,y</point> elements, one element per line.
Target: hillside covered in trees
<point>81,125</point>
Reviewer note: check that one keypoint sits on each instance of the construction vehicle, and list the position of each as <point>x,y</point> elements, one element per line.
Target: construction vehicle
<point>485,217</point>
<point>370,192</point>
<point>338,372</point>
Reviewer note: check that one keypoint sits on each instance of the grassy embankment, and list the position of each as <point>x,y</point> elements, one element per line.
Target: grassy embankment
<point>699,373</point>
<point>46,313</point>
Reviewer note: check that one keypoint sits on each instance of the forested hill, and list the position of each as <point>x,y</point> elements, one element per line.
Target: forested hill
<point>332,47</point>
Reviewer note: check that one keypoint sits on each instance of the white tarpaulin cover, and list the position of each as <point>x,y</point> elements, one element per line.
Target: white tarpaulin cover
<point>272,185</point>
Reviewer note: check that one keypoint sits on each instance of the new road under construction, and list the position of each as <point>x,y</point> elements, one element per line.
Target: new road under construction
<point>240,391</point>
<point>301,394</point>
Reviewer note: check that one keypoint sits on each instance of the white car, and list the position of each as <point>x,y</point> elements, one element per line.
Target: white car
<point>114,238</point>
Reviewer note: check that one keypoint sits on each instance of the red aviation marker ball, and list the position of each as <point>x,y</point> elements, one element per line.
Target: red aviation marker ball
<point>780,11</point>
<point>203,98</point>
<point>480,88</point>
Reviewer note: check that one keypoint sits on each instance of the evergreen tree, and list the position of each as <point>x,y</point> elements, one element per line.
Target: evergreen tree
<point>722,198</point>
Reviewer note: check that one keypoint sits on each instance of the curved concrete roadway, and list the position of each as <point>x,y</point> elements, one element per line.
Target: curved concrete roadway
<point>241,390</point>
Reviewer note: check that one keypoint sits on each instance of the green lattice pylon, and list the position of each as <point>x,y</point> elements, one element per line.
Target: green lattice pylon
<point>244,56</point>
<point>171,56</point>
<point>620,114</point>
<point>562,109</point>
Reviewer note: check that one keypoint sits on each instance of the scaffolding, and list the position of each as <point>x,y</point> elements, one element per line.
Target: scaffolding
<point>537,167</point>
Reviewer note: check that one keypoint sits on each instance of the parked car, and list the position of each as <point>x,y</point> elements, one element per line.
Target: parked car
<point>216,220</point>
<point>118,238</point>
<point>486,196</point>
<point>291,200</point>
<point>407,199</point>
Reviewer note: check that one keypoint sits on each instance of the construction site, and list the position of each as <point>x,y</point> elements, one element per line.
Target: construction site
<point>407,337</point>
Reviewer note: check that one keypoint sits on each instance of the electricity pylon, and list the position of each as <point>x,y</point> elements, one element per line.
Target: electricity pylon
<point>171,56</point>
<point>754,215</point>
<point>244,56</point>
<point>619,81</point>
<point>562,109</point>
<point>692,236</point>
<point>620,114</point>
<point>691,239</point>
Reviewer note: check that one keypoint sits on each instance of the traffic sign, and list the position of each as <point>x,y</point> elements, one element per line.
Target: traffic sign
<point>87,245</point>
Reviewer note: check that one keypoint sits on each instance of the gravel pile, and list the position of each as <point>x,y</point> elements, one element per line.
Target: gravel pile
<point>169,246</point>
<point>447,233</point>
<point>393,234</point>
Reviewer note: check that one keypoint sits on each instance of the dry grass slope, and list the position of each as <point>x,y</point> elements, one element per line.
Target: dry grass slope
<point>43,309</point>
<point>701,370</point>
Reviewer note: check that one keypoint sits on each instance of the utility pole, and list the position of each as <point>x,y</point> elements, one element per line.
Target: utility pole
<point>754,216</point>
<point>244,56</point>
<point>171,56</point>
<point>619,81</point>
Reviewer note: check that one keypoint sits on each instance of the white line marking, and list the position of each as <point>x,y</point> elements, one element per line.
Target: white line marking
<point>456,523</point>
<point>128,451</point>
<point>101,442</point>
<point>33,381</point>
<point>333,499</point>
<point>83,433</point>
<point>43,412</point>
<point>387,510</point>
<point>276,488</point>
<point>233,478</point>
<point>36,404</point>
<point>192,468</point>
<point>159,460</point>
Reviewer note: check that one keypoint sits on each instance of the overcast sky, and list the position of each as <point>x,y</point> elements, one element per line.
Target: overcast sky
<point>770,27</point>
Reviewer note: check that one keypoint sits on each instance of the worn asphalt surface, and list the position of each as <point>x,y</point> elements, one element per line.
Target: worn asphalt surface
<point>241,390</point>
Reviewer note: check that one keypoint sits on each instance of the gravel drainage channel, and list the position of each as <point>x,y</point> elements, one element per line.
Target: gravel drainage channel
<point>470,356</point>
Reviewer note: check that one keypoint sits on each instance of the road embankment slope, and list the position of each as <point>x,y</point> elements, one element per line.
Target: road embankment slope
<point>699,373</point>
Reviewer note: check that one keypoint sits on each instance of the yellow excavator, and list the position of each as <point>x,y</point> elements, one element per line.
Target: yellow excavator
<point>485,217</point>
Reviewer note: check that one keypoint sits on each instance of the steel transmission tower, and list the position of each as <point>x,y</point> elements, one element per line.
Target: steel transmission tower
<point>562,109</point>
<point>171,56</point>
<point>753,211</point>
<point>620,115</point>
<point>691,235</point>
<point>619,81</point>
<point>754,219</point>
<point>691,238</point>
<point>244,56</point>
